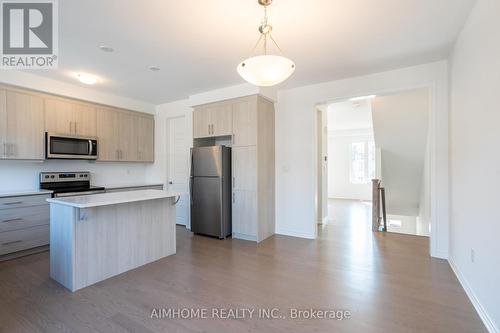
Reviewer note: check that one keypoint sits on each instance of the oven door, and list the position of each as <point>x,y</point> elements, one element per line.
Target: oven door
<point>70,147</point>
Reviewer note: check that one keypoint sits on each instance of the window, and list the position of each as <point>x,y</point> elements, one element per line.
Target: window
<point>362,162</point>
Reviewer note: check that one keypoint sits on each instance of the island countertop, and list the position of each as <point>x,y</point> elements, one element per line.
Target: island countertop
<point>107,199</point>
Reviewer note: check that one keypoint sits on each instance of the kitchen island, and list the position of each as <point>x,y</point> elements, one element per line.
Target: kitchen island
<point>95,237</point>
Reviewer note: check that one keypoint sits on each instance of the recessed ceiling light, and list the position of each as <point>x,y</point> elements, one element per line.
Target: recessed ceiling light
<point>106,48</point>
<point>154,68</point>
<point>360,98</point>
<point>86,78</point>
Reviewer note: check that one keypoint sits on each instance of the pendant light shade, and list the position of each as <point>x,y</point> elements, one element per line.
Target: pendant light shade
<point>266,70</point>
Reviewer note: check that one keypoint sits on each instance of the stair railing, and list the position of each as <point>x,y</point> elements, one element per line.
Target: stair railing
<point>378,207</point>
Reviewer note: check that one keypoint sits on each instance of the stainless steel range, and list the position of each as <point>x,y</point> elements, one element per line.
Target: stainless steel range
<point>66,184</point>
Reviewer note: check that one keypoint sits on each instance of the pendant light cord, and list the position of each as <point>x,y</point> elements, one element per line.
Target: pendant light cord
<point>265,35</point>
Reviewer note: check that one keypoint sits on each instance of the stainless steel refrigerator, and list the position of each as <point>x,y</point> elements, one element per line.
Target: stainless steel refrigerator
<point>210,189</point>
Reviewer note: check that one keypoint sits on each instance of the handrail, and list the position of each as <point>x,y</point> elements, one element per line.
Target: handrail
<point>378,206</point>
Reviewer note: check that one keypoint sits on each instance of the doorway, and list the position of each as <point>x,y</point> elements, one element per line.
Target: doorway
<point>383,137</point>
<point>347,144</point>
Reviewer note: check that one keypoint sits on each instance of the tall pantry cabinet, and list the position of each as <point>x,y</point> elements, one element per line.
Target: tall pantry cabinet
<point>252,139</point>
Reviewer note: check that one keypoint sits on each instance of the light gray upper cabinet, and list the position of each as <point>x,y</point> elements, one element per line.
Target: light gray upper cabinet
<point>64,116</point>
<point>213,120</point>
<point>21,124</point>
<point>125,136</point>
<point>201,123</point>
<point>145,133</point>
<point>245,121</point>
<point>25,116</point>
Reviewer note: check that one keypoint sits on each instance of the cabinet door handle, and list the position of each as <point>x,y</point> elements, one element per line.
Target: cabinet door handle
<point>13,203</point>
<point>70,127</point>
<point>234,198</point>
<point>75,126</point>
<point>234,182</point>
<point>117,154</point>
<point>13,242</point>
<point>12,220</point>
<point>4,149</point>
<point>208,129</point>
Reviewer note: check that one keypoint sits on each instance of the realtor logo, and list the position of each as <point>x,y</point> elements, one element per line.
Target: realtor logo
<point>29,34</point>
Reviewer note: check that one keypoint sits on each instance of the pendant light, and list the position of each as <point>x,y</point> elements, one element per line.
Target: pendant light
<point>266,70</point>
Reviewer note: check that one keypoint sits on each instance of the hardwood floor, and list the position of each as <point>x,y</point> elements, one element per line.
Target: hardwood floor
<point>387,281</point>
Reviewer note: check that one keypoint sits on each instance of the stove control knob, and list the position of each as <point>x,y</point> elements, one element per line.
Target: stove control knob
<point>46,176</point>
<point>52,176</point>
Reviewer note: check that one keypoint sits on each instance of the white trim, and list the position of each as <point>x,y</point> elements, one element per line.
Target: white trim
<point>244,237</point>
<point>350,199</point>
<point>166,153</point>
<point>293,233</point>
<point>487,320</point>
<point>439,255</point>
<point>433,76</point>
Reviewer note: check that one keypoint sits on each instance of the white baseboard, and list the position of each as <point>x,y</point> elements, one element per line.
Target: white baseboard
<point>293,233</point>
<point>438,255</point>
<point>352,199</point>
<point>488,322</point>
<point>244,237</point>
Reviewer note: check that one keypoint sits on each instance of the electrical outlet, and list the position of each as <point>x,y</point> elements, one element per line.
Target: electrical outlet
<point>472,255</point>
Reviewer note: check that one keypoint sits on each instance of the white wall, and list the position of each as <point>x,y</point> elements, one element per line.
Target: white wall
<point>339,155</point>
<point>296,147</point>
<point>400,127</point>
<point>158,171</point>
<point>408,224</point>
<point>23,175</point>
<point>475,159</point>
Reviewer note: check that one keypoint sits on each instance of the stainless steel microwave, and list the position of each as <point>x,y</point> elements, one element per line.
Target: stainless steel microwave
<point>59,146</point>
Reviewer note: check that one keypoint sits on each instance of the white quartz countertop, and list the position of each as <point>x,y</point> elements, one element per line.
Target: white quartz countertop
<point>128,185</point>
<point>21,193</point>
<point>106,199</point>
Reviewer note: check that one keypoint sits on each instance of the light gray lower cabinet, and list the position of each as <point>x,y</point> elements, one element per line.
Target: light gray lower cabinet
<point>24,224</point>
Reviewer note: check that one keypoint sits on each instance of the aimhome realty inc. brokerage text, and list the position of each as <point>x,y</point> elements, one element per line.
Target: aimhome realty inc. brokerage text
<point>248,313</point>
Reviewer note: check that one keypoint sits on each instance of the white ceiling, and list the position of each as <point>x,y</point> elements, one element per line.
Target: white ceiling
<point>198,44</point>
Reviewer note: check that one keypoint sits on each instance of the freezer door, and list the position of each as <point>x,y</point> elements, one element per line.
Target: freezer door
<point>207,161</point>
<point>206,206</point>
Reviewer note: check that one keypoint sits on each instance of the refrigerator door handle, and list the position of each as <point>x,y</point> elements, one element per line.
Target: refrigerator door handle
<point>191,180</point>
